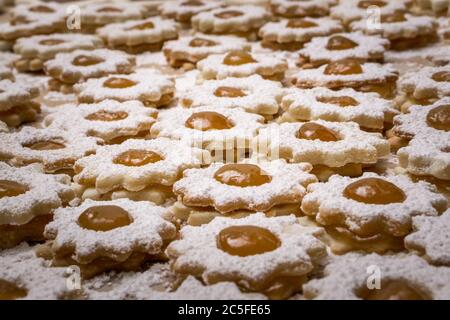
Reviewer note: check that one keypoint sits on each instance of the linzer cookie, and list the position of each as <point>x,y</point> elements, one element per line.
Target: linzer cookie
<point>140,35</point>
<point>96,15</point>
<point>188,50</point>
<point>33,19</point>
<point>372,213</point>
<point>364,77</point>
<point>369,110</point>
<point>329,146</point>
<point>219,130</point>
<point>17,102</point>
<point>293,34</point>
<point>404,31</point>
<point>25,276</point>
<point>355,45</point>
<point>110,235</point>
<point>56,149</point>
<point>109,120</point>
<point>239,189</point>
<point>242,64</point>
<point>147,86</point>
<point>36,50</point>
<point>253,94</point>
<point>275,262</point>
<point>184,10</point>
<point>243,21</point>
<point>25,206</point>
<point>302,8</point>
<point>403,277</point>
<point>430,238</point>
<point>363,10</point>
<point>427,84</point>
<point>136,169</point>
<point>66,69</point>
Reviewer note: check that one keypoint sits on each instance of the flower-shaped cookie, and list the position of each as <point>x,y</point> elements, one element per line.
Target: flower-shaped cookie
<point>369,110</point>
<point>302,8</point>
<point>253,94</point>
<point>17,93</point>
<point>428,82</point>
<point>149,87</point>
<point>38,10</point>
<point>191,49</point>
<point>25,276</point>
<point>380,277</point>
<point>404,31</point>
<point>372,204</point>
<point>136,164</point>
<point>267,255</point>
<point>105,235</point>
<point>35,50</point>
<point>432,120</point>
<point>250,185</point>
<point>80,65</point>
<point>320,142</point>
<point>6,62</point>
<point>108,119</point>
<point>242,20</point>
<point>351,10</point>
<point>355,45</point>
<point>184,10</point>
<point>431,238</point>
<point>98,14</point>
<point>242,64</point>
<point>365,77</point>
<point>293,34</point>
<point>25,27</point>
<point>25,206</point>
<point>140,35</point>
<point>56,149</point>
<point>427,155</point>
<point>208,127</point>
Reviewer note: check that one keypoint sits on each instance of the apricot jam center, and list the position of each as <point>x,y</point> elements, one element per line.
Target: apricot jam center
<point>10,291</point>
<point>229,92</point>
<point>341,101</point>
<point>367,3</point>
<point>42,9</point>
<point>208,120</point>
<point>143,26</point>
<point>45,145</point>
<point>395,290</point>
<point>301,23</point>
<point>242,175</point>
<point>237,58</point>
<point>104,218</point>
<point>201,42</point>
<point>51,42</point>
<point>104,115</point>
<point>374,191</point>
<point>441,76</point>
<point>192,3</point>
<point>247,240</point>
<point>439,117</point>
<point>343,67</point>
<point>340,43</point>
<point>109,9</point>
<point>137,158</point>
<point>11,188</point>
<point>394,17</point>
<point>314,131</point>
<point>118,83</point>
<point>228,14</point>
<point>85,61</point>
